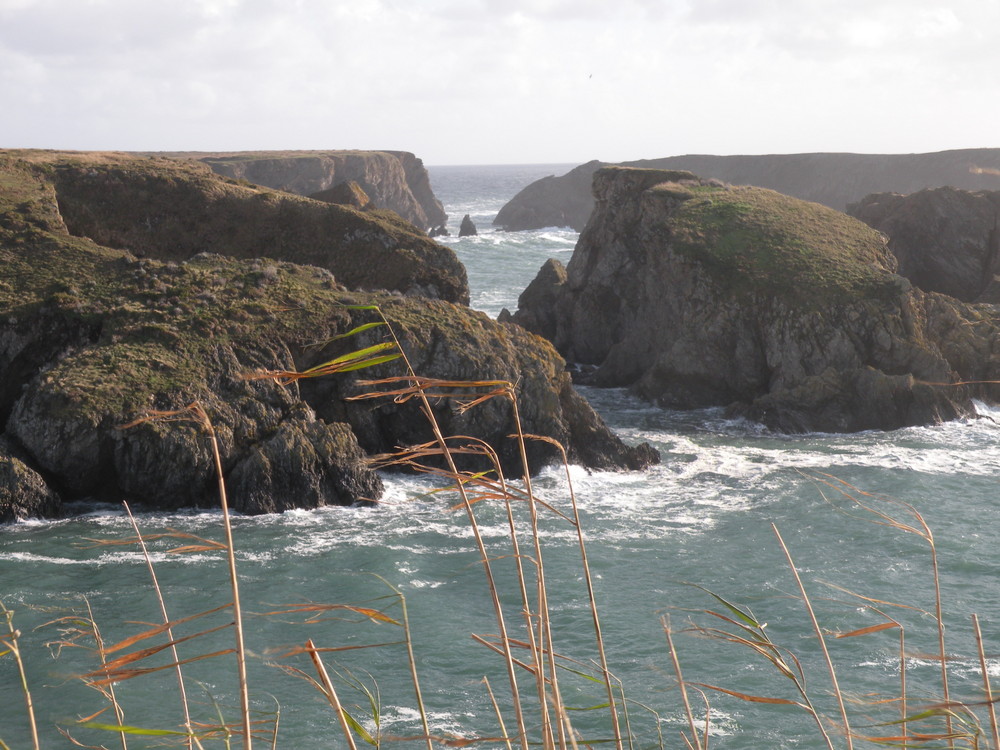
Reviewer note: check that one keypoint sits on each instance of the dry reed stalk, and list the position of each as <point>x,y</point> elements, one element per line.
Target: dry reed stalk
<point>331,694</point>
<point>822,640</point>
<point>665,622</point>
<point>499,715</point>
<point>102,653</point>
<point>166,619</point>
<point>196,413</point>
<point>494,595</point>
<point>589,581</point>
<point>923,531</point>
<point>9,641</point>
<point>544,623</point>
<point>412,660</point>
<point>990,703</point>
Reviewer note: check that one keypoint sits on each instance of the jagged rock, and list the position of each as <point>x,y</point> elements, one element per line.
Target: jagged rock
<point>834,180</point>
<point>92,339</point>
<point>23,493</point>
<point>697,294</point>
<point>172,210</point>
<point>468,228</point>
<point>441,231</point>
<point>395,180</point>
<point>348,193</point>
<point>946,240</point>
<point>536,306</point>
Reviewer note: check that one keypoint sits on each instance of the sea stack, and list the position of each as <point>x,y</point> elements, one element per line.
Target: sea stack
<point>696,293</point>
<point>468,229</point>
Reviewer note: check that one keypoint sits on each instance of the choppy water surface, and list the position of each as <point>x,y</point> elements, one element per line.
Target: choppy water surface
<point>703,516</point>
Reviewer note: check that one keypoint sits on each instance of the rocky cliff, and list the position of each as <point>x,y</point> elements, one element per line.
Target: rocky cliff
<point>93,337</point>
<point>696,293</point>
<point>946,240</point>
<point>394,180</point>
<point>171,210</point>
<point>834,180</point>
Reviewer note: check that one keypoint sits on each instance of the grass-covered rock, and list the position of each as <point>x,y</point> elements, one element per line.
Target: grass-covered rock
<point>93,339</point>
<point>172,209</point>
<point>697,293</point>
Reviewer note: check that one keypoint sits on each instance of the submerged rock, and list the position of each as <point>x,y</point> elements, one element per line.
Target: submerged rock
<point>93,339</point>
<point>699,294</point>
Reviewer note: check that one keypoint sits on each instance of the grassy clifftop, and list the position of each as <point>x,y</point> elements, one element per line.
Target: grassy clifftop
<point>756,240</point>
<point>173,209</point>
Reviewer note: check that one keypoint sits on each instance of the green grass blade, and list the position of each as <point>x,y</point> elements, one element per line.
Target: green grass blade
<point>370,362</point>
<point>133,730</point>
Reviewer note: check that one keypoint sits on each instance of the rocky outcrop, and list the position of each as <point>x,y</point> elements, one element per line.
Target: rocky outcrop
<point>23,492</point>
<point>834,180</point>
<point>946,240</point>
<point>563,201</point>
<point>468,228</point>
<point>172,210</point>
<point>699,294</point>
<point>348,193</point>
<point>394,180</point>
<point>99,349</point>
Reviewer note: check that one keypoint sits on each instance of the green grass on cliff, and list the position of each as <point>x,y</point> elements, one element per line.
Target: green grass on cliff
<point>754,240</point>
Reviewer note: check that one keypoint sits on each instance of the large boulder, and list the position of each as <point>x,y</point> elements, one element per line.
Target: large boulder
<point>102,352</point>
<point>697,294</point>
<point>834,180</point>
<point>946,240</point>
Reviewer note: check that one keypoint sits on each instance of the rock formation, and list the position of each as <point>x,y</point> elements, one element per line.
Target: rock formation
<point>698,294</point>
<point>173,210</point>
<point>394,180</point>
<point>946,240</point>
<point>834,180</point>
<point>92,338</point>
<point>468,228</point>
<point>348,193</point>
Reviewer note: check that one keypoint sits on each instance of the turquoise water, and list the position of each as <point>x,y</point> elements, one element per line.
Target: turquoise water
<point>703,516</point>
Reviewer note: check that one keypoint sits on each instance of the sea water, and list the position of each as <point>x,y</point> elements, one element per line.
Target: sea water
<point>657,541</point>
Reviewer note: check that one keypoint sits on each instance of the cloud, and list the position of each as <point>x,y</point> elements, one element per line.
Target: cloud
<point>627,79</point>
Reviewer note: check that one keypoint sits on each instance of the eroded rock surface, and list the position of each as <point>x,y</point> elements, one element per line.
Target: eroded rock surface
<point>395,180</point>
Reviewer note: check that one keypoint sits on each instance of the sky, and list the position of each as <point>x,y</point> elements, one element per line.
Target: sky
<point>501,81</point>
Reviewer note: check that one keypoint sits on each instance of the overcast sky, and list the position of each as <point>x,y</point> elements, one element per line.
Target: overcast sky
<point>502,81</point>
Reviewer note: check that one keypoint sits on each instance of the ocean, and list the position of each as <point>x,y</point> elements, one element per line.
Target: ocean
<point>694,534</point>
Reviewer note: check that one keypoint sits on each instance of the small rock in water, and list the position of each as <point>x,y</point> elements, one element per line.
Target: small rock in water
<point>468,229</point>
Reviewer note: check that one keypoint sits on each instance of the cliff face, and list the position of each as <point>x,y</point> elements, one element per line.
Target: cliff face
<point>92,338</point>
<point>834,180</point>
<point>699,294</point>
<point>172,210</point>
<point>394,180</point>
<point>946,240</point>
